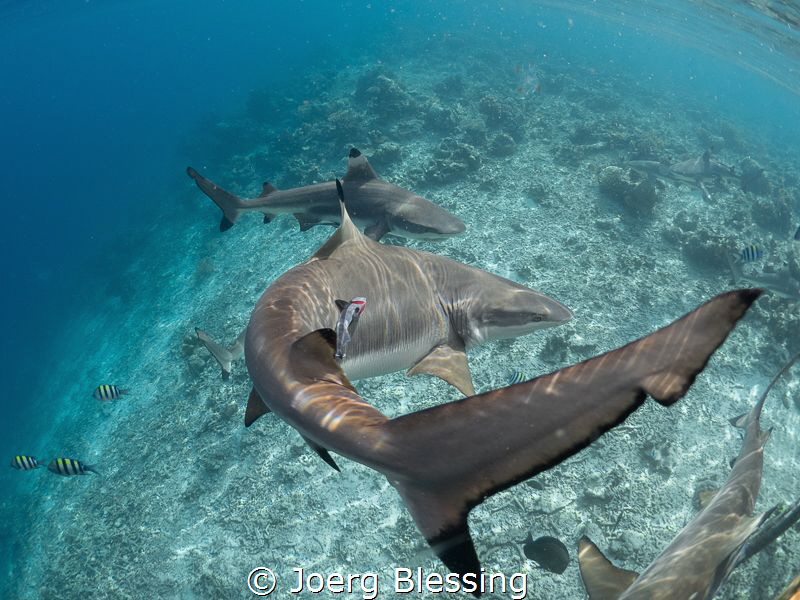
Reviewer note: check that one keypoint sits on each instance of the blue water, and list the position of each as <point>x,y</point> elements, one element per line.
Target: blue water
<point>104,106</point>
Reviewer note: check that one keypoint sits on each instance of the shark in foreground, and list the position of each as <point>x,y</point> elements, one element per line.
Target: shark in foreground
<point>376,206</point>
<point>719,539</point>
<point>426,310</point>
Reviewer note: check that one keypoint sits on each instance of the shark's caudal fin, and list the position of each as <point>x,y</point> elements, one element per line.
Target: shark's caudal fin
<point>224,356</point>
<point>231,205</point>
<point>602,580</point>
<point>456,455</point>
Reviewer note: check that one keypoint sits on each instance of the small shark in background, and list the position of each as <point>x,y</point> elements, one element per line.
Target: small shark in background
<point>425,311</point>
<point>376,206</point>
<point>224,356</point>
<point>705,552</point>
<point>695,170</point>
<point>782,283</point>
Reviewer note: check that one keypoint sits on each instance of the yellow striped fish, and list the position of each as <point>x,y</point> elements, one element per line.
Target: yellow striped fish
<point>22,462</point>
<point>108,392</point>
<point>70,466</point>
<point>517,377</point>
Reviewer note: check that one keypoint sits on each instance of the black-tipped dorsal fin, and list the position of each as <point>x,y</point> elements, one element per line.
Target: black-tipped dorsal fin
<point>346,232</point>
<point>449,364</point>
<point>322,453</point>
<point>602,580</point>
<point>358,167</point>
<point>266,189</point>
<point>255,408</point>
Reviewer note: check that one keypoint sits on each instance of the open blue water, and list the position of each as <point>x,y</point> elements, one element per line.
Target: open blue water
<point>111,257</point>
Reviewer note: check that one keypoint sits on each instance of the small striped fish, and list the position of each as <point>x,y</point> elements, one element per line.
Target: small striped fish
<point>108,392</point>
<point>751,253</point>
<point>22,462</point>
<point>70,466</point>
<point>517,377</point>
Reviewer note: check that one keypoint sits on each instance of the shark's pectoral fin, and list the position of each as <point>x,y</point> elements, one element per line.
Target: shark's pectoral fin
<point>225,223</point>
<point>305,221</point>
<point>322,453</point>
<point>255,408</point>
<point>267,219</point>
<point>377,230</point>
<point>441,516</point>
<point>312,359</point>
<point>602,580</point>
<point>449,364</point>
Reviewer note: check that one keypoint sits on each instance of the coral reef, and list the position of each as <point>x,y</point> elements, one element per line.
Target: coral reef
<point>636,194</point>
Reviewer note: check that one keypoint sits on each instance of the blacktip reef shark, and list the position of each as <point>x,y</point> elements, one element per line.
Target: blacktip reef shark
<point>695,170</point>
<point>425,309</point>
<point>376,206</point>
<point>781,283</point>
<point>224,356</point>
<point>705,552</point>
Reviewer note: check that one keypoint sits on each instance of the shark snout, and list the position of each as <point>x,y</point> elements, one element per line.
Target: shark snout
<point>557,313</point>
<point>514,311</point>
<point>422,219</point>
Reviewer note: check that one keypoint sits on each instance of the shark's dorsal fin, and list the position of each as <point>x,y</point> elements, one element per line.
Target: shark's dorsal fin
<point>602,580</point>
<point>266,189</point>
<point>346,232</point>
<point>322,453</point>
<point>358,168</point>
<point>341,304</point>
<point>255,408</point>
<point>449,364</point>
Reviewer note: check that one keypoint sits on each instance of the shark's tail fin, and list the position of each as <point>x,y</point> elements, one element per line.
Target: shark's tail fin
<point>231,205</point>
<point>450,458</point>
<point>224,356</point>
<point>453,456</point>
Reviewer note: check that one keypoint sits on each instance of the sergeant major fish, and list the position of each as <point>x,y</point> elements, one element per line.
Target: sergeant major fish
<point>108,392</point>
<point>69,466</point>
<point>23,462</point>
